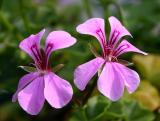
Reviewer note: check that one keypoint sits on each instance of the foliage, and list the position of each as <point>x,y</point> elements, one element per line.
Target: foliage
<point>20,18</point>
<point>99,108</point>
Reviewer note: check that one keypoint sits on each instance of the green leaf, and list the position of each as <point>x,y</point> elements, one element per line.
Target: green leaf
<point>124,62</point>
<point>92,111</point>
<point>78,115</point>
<point>58,67</point>
<point>93,50</point>
<point>28,68</point>
<point>134,112</point>
<point>96,107</point>
<point>114,112</point>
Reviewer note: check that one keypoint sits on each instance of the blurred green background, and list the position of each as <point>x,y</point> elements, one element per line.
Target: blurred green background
<point>20,18</point>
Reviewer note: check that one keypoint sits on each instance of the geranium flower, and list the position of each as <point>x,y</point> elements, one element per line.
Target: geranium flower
<point>114,76</point>
<point>35,87</point>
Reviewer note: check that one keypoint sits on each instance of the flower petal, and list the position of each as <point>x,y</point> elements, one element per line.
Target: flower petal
<point>86,71</point>
<point>58,92</point>
<point>130,77</point>
<point>24,81</point>
<point>125,47</point>
<point>94,27</point>
<point>58,40</point>
<point>110,82</point>
<point>32,44</point>
<point>117,31</point>
<point>31,98</point>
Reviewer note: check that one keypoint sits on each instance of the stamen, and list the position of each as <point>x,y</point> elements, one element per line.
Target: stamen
<point>114,59</point>
<point>111,58</point>
<point>109,50</point>
<point>109,54</point>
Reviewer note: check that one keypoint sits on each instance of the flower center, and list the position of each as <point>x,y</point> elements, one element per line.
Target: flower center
<point>40,58</point>
<point>110,54</point>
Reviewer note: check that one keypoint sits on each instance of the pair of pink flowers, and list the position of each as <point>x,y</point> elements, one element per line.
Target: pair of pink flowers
<point>35,87</point>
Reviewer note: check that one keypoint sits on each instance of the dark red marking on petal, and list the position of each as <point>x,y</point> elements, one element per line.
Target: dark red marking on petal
<point>108,49</point>
<point>36,53</point>
<point>120,49</point>
<point>102,38</point>
<point>114,37</point>
<point>41,60</point>
<point>44,60</point>
<point>49,48</point>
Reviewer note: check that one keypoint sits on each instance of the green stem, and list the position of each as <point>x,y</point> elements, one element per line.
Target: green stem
<point>88,8</point>
<point>84,115</point>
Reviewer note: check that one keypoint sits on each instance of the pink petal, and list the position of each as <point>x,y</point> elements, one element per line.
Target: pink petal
<point>24,81</point>
<point>110,82</point>
<point>130,77</point>
<point>125,47</point>
<point>58,92</point>
<point>86,71</point>
<point>117,31</point>
<point>31,98</point>
<point>32,41</point>
<point>58,40</point>
<point>94,27</point>
<point>113,79</point>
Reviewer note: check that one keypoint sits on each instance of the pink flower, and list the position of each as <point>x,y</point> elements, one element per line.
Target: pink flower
<point>114,76</point>
<point>35,87</point>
